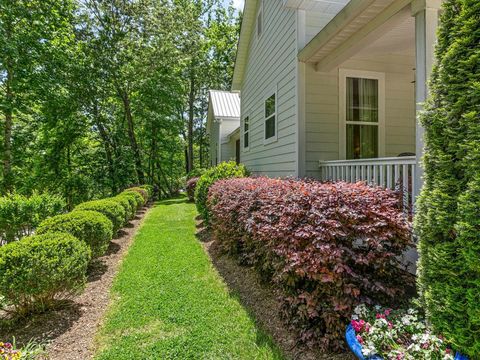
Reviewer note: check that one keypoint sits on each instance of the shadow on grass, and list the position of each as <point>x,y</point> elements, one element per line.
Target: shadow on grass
<point>260,300</point>
<point>41,328</point>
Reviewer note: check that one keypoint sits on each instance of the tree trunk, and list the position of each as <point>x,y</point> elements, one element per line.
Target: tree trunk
<point>131,134</point>
<point>191,115</point>
<point>109,155</point>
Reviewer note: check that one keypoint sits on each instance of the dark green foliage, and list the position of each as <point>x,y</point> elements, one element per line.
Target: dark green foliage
<point>110,208</point>
<point>224,170</point>
<point>38,270</point>
<point>92,227</point>
<point>136,195</point>
<point>20,215</point>
<point>448,221</point>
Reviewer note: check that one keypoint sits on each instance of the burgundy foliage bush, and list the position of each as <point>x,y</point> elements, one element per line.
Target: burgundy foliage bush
<point>325,246</point>
<point>191,186</point>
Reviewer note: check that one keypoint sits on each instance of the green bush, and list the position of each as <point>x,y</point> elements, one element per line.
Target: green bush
<point>447,220</point>
<point>132,203</point>
<point>38,270</point>
<point>129,211</point>
<point>110,208</point>
<point>20,215</point>
<point>148,189</point>
<point>224,170</point>
<point>141,191</point>
<point>196,173</point>
<point>138,198</point>
<point>92,227</point>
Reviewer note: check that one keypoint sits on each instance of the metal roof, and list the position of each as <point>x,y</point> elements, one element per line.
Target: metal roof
<point>225,104</point>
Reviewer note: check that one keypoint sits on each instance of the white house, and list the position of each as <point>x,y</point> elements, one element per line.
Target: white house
<point>223,121</point>
<point>330,88</point>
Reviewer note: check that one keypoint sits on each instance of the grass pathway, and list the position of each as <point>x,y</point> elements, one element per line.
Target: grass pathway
<point>170,303</point>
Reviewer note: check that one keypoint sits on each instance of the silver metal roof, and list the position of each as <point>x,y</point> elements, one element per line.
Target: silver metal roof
<point>225,104</point>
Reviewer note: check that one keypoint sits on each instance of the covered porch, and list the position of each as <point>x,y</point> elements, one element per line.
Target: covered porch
<point>365,80</point>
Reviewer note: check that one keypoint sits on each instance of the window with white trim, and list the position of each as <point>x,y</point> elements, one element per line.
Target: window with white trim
<point>271,117</point>
<point>260,20</point>
<point>363,114</point>
<point>246,132</point>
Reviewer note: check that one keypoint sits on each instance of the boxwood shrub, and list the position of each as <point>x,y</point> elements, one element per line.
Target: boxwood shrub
<point>38,270</point>
<point>132,203</point>
<point>141,191</point>
<point>326,247</point>
<point>224,170</point>
<point>110,208</point>
<point>125,203</point>
<point>137,196</point>
<point>448,209</point>
<point>20,215</point>
<point>92,227</point>
<point>148,189</point>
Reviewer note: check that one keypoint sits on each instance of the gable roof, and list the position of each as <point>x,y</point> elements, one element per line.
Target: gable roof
<point>225,104</point>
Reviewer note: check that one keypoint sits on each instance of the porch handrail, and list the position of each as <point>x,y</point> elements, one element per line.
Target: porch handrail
<point>396,173</point>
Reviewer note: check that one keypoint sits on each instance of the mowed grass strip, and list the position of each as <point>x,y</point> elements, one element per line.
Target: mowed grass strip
<point>170,303</point>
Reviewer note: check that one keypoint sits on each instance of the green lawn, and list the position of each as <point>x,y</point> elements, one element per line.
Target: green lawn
<point>170,303</point>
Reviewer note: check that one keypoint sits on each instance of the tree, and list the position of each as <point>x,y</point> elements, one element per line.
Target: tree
<point>447,220</point>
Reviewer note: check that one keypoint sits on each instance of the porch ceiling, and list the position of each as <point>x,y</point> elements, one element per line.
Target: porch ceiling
<point>359,24</point>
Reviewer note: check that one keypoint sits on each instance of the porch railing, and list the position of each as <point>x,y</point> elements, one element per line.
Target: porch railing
<point>396,173</point>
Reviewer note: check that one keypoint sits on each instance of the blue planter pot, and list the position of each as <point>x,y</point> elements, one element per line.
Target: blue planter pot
<point>356,347</point>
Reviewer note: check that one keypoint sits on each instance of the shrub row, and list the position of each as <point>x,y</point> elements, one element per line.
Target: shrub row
<point>20,215</point>
<point>326,246</point>
<point>224,170</point>
<point>51,265</point>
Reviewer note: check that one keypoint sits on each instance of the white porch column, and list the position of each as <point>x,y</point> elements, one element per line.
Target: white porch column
<point>426,24</point>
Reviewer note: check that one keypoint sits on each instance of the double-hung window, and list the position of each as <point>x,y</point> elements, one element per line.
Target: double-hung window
<point>271,118</point>
<point>363,114</point>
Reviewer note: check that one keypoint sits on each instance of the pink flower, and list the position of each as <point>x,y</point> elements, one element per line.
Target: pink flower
<point>390,325</point>
<point>359,339</point>
<point>448,350</point>
<point>367,327</point>
<point>380,316</point>
<point>358,325</point>
<point>388,311</point>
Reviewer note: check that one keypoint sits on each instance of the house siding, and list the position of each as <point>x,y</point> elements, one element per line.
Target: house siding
<point>214,135</point>
<point>322,107</point>
<point>272,64</point>
<point>228,148</point>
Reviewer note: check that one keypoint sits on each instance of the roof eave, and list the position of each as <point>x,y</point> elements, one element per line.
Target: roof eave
<point>246,29</point>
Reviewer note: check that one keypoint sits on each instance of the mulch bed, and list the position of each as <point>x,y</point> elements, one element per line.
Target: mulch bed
<point>260,301</point>
<point>69,331</point>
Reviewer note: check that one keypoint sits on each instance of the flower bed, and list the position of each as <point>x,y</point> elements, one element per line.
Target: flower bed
<point>394,335</point>
<point>326,246</point>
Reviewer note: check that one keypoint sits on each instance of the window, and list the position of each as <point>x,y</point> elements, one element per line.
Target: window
<point>260,20</point>
<point>246,132</point>
<point>271,117</point>
<point>362,113</point>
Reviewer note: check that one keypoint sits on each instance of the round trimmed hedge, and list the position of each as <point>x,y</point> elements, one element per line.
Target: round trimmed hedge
<point>132,203</point>
<point>224,170</point>
<point>129,211</point>
<point>92,227</point>
<point>40,269</point>
<point>141,191</point>
<point>148,189</point>
<point>110,208</point>
<point>137,196</point>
